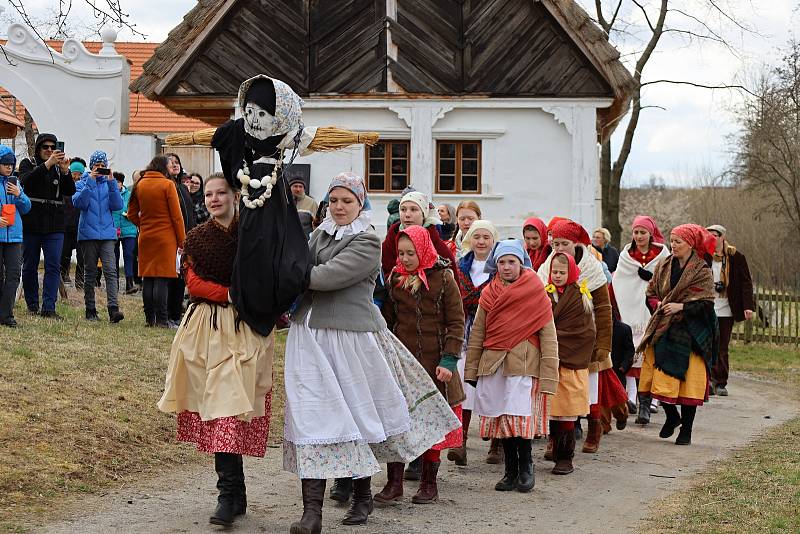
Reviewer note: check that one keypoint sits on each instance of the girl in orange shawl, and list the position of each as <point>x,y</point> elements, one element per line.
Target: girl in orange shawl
<point>512,355</point>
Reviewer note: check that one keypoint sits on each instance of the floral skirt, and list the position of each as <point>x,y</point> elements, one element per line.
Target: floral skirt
<point>227,434</point>
<point>356,400</point>
<point>692,391</point>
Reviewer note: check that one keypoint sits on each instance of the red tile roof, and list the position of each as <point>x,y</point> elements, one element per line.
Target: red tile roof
<point>146,116</point>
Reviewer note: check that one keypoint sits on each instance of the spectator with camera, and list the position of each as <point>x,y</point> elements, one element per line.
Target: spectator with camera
<point>126,235</point>
<point>77,166</point>
<point>46,180</point>
<point>733,303</point>
<point>97,196</point>
<point>13,204</point>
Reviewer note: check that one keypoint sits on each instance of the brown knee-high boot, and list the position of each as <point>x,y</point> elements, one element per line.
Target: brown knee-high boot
<point>393,490</point>
<point>362,505</point>
<point>313,496</point>
<point>592,441</point>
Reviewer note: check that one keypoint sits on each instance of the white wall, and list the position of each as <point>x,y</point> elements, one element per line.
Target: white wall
<point>135,152</point>
<point>538,157</point>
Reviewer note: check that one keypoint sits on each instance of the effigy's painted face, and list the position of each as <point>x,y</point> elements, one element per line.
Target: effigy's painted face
<point>258,122</point>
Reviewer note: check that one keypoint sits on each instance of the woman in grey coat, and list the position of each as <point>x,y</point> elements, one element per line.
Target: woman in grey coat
<point>349,381</point>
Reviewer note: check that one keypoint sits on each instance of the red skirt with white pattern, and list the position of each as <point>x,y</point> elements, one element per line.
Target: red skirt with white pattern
<point>227,434</point>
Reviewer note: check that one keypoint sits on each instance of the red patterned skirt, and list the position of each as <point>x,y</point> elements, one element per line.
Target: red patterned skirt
<point>227,434</point>
<point>610,392</point>
<point>454,438</point>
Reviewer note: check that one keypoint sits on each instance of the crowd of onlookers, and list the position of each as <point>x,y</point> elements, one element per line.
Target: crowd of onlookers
<point>54,207</point>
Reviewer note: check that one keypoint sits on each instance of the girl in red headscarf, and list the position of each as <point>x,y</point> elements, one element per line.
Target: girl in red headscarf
<point>574,320</point>
<point>534,231</point>
<point>605,389</point>
<point>424,311</point>
<point>681,341</point>
<point>637,263</point>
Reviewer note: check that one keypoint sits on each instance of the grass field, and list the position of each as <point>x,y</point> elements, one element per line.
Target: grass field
<point>757,489</point>
<point>78,409</point>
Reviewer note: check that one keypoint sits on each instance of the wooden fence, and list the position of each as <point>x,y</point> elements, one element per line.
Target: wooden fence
<point>777,317</point>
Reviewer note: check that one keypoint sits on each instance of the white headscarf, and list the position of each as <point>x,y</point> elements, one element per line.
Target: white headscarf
<point>480,224</point>
<point>429,214</point>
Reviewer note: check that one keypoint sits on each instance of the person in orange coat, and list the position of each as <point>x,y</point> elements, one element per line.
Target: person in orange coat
<point>154,207</point>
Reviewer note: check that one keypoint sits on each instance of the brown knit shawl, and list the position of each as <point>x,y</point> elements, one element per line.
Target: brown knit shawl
<point>210,250</point>
<point>696,283</point>
<point>575,329</point>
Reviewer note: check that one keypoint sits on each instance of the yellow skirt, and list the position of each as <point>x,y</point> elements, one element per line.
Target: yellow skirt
<point>216,368</point>
<point>692,391</point>
<point>572,395</point>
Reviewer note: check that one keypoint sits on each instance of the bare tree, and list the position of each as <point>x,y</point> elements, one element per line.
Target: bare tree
<point>696,21</point>
<point>768,150</point>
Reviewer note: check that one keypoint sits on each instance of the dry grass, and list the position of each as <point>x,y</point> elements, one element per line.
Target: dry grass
<point>78,409</point>
<point>757,488</point>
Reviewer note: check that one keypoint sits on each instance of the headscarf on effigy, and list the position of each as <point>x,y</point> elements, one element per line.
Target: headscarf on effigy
<point>271,263</point>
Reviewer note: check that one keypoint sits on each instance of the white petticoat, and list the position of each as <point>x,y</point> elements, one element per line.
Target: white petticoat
<point>498,395</point>
<point>469,389</point>
<point>355,400</point>
<point>594,388</point>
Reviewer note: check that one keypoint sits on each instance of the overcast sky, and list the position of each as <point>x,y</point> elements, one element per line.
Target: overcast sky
<point>689,138</point>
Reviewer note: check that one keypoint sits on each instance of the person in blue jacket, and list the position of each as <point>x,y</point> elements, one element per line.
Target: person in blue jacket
<point>13,204</point>
<point>126,234</point>
<point>97,196</point>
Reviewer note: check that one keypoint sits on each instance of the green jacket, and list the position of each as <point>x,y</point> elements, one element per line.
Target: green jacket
<point>125,227</point>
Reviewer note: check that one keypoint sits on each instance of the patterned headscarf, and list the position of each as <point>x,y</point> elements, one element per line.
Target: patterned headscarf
<point>649,224</point>
<point>700,239</point>
<point>426,253</point>
<point>429,214</point>
<point>353,183</point>
<point>566,229</point>
<point>98,156</point>
<point>288,115</point>
<point>480,224</point>
<point>513,247</point>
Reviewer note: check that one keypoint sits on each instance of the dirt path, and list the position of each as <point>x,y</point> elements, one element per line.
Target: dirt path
<point>633,468</point>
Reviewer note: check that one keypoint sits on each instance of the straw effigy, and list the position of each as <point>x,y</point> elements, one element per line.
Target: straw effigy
<point>326,139</point>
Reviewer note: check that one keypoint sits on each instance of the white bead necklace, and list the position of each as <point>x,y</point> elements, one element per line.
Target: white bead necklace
<point>267,182</point>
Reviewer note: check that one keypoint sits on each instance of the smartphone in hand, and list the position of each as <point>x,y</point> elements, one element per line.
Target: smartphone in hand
<point>104,171</point>
<point>60,146</point>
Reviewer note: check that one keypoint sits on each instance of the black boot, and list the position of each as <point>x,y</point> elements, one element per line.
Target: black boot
<point>130,288</point>
<point>526,479</point>
<point>114,315</point>
<point>91,315</point>
<point>687,421</point>
<point>509,480</point>
<point>240,503</point>
<point>414,470</point>
<point>227,467</point>
<point>313,495</point>
<point>341,489</point>
<point>644,410</point>
<point>673,421</point>
<point>362,503</point>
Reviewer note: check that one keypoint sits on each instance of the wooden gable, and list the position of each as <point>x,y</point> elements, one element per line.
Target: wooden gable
<point>496,47</point>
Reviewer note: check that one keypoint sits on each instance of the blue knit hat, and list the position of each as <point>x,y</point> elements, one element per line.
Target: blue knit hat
<point>98,156</point>
<point>77,166</point>
<point>7,156</point>
<point>507,247</point>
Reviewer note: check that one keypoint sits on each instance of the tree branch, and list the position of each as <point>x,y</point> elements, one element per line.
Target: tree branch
<point>701,85</point>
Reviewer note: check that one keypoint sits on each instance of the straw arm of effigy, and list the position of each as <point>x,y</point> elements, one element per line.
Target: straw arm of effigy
<point>326,138</point>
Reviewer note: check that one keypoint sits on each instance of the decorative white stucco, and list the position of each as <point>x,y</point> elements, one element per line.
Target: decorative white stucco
<point>80,97</point>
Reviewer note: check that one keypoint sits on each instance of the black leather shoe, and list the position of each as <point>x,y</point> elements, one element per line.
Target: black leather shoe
<point>224,514</point>
<point>91,315</point>
<point>10,322</point>
<point>51,315</point>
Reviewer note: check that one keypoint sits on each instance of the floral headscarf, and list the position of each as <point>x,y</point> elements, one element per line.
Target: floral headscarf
<point>288,115</point>
<point>426,253</point>
<point>353,183</point>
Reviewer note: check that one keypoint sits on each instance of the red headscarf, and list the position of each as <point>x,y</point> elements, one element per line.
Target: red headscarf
<point>649,224</point>
<point>515,312</point>
<point>700,239</point>
<point>540,254</point>
<point>553,222</point>
<point>573,272</point>
<point>566,229</point>
<point>426,252</point>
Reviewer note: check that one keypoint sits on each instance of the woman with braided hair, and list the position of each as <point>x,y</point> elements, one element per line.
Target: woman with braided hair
<point>219,379</point>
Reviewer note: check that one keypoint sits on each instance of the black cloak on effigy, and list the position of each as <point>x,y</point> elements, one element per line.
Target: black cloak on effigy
<point>271,266</point>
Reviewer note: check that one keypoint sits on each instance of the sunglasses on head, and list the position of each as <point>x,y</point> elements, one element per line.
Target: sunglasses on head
<point>49,147</point>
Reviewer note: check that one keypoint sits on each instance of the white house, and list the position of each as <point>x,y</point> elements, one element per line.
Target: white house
<point>499,101</point>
